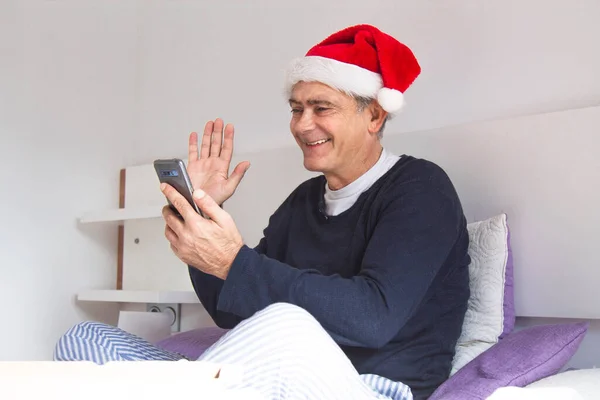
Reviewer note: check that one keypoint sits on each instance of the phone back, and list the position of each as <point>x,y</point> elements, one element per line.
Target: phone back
<point>174,173</point>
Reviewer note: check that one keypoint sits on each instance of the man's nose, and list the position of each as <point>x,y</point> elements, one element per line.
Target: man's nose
<point>306,123</point>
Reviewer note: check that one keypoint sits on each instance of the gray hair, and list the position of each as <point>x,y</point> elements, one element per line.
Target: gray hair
<point>364,102</point>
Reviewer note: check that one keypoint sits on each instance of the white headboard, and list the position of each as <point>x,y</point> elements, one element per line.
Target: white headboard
<point>542,170</point>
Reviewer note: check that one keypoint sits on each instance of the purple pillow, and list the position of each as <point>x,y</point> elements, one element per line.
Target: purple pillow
<point>192,344</point>
<point>519,359</point>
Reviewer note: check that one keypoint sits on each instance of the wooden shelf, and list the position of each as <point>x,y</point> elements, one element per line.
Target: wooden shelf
<point>122,214</point>
<point>139,296</point>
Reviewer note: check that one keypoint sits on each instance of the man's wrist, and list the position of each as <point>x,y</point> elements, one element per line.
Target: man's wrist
<point>223,273</point>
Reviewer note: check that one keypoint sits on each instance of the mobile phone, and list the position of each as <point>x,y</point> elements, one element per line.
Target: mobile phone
<point>174,173</point>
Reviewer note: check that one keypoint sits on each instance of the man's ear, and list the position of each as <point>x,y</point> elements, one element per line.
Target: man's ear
<point>378,116</point>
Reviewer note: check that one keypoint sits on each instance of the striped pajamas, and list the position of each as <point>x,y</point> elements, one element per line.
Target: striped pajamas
<point>284,352</point>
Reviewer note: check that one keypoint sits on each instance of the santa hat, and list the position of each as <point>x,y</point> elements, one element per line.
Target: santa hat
<point>361,61</point>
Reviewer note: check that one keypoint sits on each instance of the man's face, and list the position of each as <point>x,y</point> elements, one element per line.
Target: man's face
<point>328,127</point>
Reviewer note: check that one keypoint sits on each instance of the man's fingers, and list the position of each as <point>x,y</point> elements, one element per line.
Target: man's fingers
<point>215,141</point>
<point>179,202</point>
<point>236,176</point>
<point>172,220</point>
<point>227,151</point>
<point>171,235</point>
<point>205,147</point>
<point>193,147</point>
<point>210,208</point>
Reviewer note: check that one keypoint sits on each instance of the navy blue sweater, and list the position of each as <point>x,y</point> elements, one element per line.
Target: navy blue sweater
<point>387,278</point>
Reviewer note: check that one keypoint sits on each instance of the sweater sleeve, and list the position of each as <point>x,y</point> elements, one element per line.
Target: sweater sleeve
<point>412,238</point>
<point>208,289</point>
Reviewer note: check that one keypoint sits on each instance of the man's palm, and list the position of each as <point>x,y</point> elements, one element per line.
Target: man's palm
<point>209,168</point>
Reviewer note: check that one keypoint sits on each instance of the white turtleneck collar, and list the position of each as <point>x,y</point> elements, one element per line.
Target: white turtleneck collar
<point>338,201</point>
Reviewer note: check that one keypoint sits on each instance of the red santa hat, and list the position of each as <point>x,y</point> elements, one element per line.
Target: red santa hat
<point>361,61</point>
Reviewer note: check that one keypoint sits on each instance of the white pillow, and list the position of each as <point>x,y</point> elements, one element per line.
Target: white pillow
<point>123,380</point>
<point>519,393</point>
<point>484,320</point>
<point>585,381</point>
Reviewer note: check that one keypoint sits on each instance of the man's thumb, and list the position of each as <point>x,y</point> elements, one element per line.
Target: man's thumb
<point>208,206</point>
<point>238,173</point>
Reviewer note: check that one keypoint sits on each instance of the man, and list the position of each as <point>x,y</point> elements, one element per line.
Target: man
<point>359,287</point>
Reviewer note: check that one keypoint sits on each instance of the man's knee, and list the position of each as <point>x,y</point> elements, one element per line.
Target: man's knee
<point>88,329</point>
<point>285,314</point>
<point>290,327</point>
<point>287,310</point>
<point>67,345</point>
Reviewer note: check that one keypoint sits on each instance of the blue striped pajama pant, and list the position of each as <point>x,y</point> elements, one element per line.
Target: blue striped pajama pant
<point>284,352</point>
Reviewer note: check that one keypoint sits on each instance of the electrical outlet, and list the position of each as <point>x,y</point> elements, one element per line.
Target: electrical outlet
<point>174,310</point>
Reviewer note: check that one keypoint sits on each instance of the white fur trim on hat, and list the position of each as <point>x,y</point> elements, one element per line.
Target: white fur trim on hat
<point>348,78</point>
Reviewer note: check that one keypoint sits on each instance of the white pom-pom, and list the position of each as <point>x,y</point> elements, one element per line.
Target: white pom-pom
<point>391,100</point>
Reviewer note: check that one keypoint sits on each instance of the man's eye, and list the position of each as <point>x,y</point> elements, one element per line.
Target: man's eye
<point>322,109</point>
<point>296,111</point>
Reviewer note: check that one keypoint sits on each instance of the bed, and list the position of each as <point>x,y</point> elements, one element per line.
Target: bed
<point>505,172</point>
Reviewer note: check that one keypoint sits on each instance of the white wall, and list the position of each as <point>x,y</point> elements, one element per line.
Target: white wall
<point>480,60</point>
<point>89,87</point>
<point>67,80</point>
